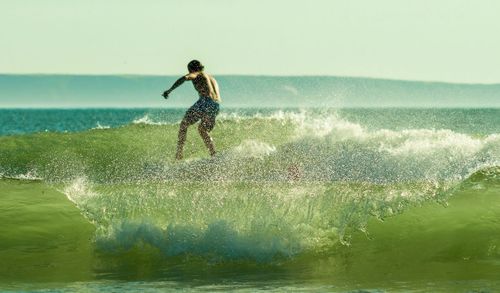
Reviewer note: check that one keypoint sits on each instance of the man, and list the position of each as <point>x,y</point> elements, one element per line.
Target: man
<point>205,109</point>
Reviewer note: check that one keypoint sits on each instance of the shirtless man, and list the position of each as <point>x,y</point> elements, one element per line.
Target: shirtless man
<point>205,109</point>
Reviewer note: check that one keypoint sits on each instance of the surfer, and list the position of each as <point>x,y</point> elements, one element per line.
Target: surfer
<point>205,109</point>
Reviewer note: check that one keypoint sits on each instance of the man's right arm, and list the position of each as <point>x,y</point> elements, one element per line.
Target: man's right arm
<point>175,85</point>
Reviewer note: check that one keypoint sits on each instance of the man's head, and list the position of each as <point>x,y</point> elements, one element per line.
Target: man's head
<point>195,66</point>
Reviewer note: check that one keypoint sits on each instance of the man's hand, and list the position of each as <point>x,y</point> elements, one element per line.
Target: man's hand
<point>166,93</point>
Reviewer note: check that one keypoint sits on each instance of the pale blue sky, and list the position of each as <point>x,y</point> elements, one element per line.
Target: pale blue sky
<point>443,40</point>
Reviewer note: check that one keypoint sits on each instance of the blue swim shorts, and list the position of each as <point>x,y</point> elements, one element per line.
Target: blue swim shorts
<point>205,109</point>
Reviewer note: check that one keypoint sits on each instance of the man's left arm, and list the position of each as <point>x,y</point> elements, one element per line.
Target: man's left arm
<point>215,86</point>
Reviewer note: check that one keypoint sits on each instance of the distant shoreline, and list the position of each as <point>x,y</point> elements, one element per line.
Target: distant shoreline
<point>134,75</point>
<point>241,91</point>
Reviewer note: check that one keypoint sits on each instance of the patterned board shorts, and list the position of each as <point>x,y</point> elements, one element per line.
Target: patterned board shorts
<point>205,109</point>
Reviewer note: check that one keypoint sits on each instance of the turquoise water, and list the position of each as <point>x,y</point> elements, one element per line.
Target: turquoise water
<point>24,121</point>
<point>342,200</point>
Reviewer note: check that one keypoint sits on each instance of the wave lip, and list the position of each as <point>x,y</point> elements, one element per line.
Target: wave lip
<point>28,176</point>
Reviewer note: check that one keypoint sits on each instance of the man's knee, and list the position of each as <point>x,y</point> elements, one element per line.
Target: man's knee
<point>208,124</point>
<point>202,129</point>
<point>185,124</point>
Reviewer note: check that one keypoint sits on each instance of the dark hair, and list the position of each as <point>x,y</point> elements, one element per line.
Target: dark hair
<point>195,65</point>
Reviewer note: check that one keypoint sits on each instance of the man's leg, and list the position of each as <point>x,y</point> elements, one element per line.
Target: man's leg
<point>205,126</point>
<point>189,119</point>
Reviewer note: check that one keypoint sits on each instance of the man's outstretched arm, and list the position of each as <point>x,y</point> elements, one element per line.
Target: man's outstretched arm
<point>174,86</point>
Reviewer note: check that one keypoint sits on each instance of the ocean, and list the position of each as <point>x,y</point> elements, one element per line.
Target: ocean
<point>310,199</point>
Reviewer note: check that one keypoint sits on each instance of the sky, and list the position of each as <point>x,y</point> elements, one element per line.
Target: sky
<point>430,40</point>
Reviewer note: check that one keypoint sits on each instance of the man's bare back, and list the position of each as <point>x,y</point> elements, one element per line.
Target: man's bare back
<point>205,85</point>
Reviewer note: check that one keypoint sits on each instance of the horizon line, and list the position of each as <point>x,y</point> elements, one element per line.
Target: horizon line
<point>239,107</point>
<point>250,75</point>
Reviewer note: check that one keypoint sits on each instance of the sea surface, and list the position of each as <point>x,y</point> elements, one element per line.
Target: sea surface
<point>305,200</point>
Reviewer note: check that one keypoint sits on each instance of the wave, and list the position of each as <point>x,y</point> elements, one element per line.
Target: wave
<point>279,147</point>
<point>281,186</point>
<point>276,222</point>
<point>260,221</point>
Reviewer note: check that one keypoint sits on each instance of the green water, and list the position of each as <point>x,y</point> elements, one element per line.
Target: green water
<point>326,205</point>
<point>44,236</point>
<point>428,246</point>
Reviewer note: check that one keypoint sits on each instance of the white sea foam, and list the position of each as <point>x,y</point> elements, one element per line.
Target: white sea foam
<point>99,126</point>
<point>29,176</point>
<point>327,147</point>
<point>253,149</point>
<point>79,191</point>
<point>148,120</point>
<point>279,115</point>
